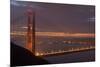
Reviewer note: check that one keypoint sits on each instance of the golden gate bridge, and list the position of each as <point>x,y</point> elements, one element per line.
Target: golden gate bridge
<point>30,45</point>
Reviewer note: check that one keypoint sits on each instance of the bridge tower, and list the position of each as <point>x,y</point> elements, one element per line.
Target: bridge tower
<point>30,45</point>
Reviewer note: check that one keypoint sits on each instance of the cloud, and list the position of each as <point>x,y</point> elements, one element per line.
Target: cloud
<point>24,4</point>
<point>15,3</point>
<point>91,19</point>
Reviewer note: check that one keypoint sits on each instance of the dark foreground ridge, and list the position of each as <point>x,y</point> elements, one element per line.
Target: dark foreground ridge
<point>22,57</point>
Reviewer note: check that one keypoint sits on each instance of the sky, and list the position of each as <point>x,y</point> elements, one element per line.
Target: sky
<point>53,17</point>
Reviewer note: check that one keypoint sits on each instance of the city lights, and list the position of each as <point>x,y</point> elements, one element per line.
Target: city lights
<point>64,51</point>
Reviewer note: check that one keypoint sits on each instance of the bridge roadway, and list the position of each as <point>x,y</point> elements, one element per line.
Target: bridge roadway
<point>62,52</point>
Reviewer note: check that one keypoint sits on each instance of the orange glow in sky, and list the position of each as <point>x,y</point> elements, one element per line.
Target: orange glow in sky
<point>62,34</point>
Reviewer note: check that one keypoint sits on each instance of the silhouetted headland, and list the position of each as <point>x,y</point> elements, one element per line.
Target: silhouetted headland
<point>22,57</point>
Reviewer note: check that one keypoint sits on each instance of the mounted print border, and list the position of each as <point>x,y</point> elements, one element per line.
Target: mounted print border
<point>51,33</point>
